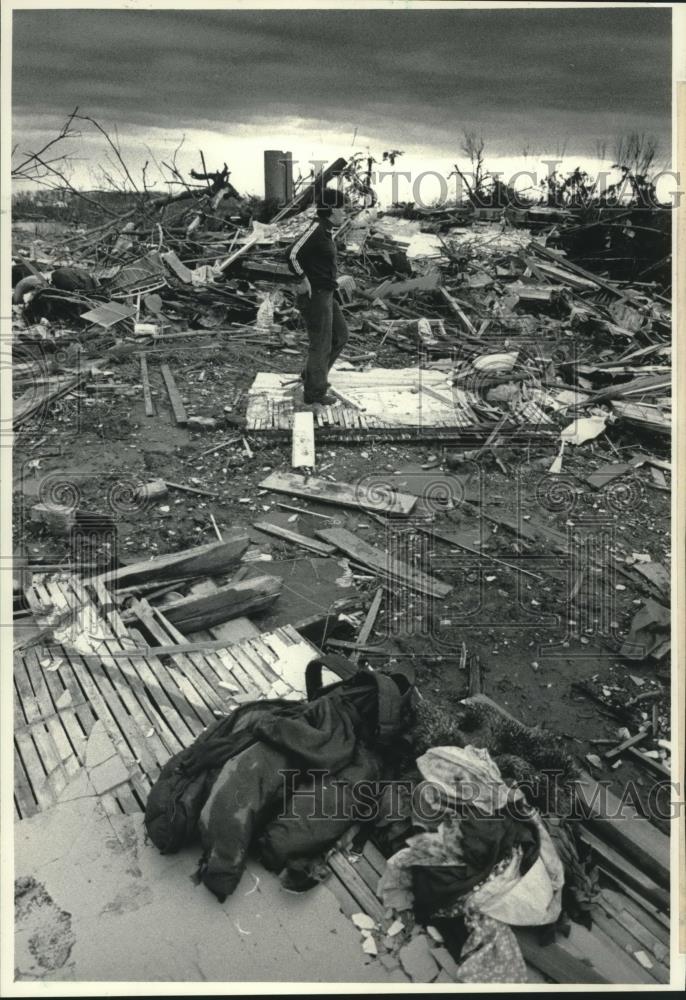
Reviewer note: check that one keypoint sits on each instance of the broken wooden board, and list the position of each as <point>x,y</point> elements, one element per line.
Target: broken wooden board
<point>182,272</point>
<point>380,561</point>
<point>303,453</point>
<point>198,612</point>
<point>144,709</point>
<point>455,307</point>
<point>384,399</point>
<point>175,401</point>
<point>365,496</point>
<point>425,283</point>
<point>369,622</point>
<point>320,548</point>
<point>203,560</point>
<point>608,473</point>
<point>145,382</point>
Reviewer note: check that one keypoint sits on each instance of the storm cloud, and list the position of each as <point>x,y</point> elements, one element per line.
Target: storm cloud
<point>404,77</point>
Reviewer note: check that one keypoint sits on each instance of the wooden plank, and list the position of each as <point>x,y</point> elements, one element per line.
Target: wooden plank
<point>368,624</point>
<point>175,401</point>
<point>145,380</point>
<point>343,494</point>
<point>64,751</point>
<point>235,671</point>
<point>356,886</point>
<point>261,681</point>
<point>453,305</point>
<point>302,446</point>
<point>554,961</point>
<point>627,872</point>
<point>374,857</point>
<point>122,705</point>
<point>380,561</point>
<point>181,720</point>
<point>133,696</point>
<point>367,873</point>
<point>320,548</point>
<point>195,613</point>
<point>211,559</point>
<point>23,794</point>
<point>55,775</point>
<point>113,718</point>
<point>625,744</point>
<point>615,933</point>
<point>25,693</point>
<point>114,683</point>
<point>203,698</point>
<point>68,716</point>
<point>42,790</point>
<point>657,950</point>
<point>648,918</point>
<point>657,767</point>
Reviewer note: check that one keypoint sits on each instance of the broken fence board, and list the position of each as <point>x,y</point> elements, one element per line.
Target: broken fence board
<point>368,624</point>
<point>379,560</point>
<point>365,496</point>
<point>321,548</point>
<point>303,453</point>
<point>145,381</point>
<point>178,409</point>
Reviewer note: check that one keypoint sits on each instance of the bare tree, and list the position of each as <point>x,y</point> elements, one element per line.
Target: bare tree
<point>600,150</point>
<point>636,153</point>
<point>473,146</point>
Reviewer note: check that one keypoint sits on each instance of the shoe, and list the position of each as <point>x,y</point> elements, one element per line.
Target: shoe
<point>297,880</point>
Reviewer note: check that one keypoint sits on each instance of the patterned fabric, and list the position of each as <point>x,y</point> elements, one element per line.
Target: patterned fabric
<point>514,891</point>
<point>491,953</point>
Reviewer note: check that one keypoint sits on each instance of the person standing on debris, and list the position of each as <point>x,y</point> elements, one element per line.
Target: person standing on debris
<point>313,258</point>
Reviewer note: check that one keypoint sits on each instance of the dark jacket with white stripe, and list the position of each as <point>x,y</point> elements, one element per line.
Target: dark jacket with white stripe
<point>313,255</point>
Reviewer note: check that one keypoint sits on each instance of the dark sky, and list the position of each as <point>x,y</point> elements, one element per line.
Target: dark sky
<point>543,77</point>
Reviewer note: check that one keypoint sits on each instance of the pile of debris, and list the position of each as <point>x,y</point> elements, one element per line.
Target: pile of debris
<point>473,340</point>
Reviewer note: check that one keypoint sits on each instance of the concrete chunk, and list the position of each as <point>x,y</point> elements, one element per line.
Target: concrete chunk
<point>417,960</point>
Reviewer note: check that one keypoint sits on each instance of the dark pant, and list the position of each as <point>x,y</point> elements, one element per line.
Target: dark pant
<point>328,335</point>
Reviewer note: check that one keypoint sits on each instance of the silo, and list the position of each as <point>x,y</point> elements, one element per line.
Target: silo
<point>278,176</point>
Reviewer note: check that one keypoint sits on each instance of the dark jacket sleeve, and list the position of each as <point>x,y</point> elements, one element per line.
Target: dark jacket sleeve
<point>299,252</point>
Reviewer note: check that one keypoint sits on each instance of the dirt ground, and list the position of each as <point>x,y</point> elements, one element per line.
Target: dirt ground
<point>532,639</point>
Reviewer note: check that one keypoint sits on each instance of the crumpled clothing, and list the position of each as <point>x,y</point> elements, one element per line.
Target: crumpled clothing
<point>462,854</point>
<point>530,899</point>
<point>322,809</point>
<point>467,774</point>
<point>491,953</point>
<point>520,882</point>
